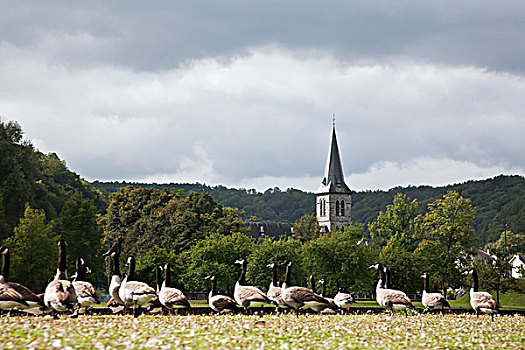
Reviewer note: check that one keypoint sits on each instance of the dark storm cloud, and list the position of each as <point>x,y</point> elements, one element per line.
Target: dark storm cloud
<point>164,34</point>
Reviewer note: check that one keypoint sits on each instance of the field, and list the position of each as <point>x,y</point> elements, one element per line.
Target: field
<point>268,331</point>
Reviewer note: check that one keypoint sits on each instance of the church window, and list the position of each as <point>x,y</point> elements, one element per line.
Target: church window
<point>342,208</point>
<point>337,208</point>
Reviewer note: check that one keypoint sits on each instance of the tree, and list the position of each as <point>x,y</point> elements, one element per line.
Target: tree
<point>341,258</point>
<point>144,218</point>
<point>266,251</point>
<point>34,252</point>
<point>18,171</point>
<point>397,221</point>
<point>493,272</point>
<point>447,229</point>
<point>215,255</point>
<point>77,224</point>
<point>307,228</point>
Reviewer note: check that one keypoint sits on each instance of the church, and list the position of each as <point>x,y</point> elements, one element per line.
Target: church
<point>333,201</point>
<point>333,197</point>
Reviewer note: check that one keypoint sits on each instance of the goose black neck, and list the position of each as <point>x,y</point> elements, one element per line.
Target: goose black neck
<point>62,256</point>
<point>274,274</point>
<point>5,265</point>
<point>323,288</point>
<point>213,286</point>
<point>312,283</point>
<point>116,265</point>
<point>386,275</point>
<point>475,282</point>
<point>167,275</point>
<point>425,283</point>
<point>381,276</point>
<point>288,274</point>
<point>158,277</point>
<point>242,276</point>
<point>81,270</point>
<point>131,268</point>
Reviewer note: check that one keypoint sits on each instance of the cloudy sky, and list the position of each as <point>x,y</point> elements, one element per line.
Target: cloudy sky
<point>241,93</point>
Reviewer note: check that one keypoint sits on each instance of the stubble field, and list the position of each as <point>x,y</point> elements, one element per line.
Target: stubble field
<point>265,332</point>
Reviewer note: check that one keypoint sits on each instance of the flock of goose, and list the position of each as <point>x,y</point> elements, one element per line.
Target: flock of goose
<point>63,295</point>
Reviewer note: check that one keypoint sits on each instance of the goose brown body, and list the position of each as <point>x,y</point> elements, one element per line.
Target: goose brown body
<point>60,294</point>
<point>248,296</point>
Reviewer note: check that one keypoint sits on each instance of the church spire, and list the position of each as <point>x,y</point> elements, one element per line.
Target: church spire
<point>333,180</point>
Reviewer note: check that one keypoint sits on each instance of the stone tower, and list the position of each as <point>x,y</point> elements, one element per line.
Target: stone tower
<point>333,197</point>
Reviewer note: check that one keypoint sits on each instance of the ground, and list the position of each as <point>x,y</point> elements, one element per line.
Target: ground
<point>268,332</point>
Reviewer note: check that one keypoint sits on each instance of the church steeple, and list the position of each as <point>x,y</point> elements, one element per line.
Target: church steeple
<point>333,180</point>
<point>334,197</point>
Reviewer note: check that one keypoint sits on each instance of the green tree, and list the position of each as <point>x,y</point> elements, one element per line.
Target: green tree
<point>266,251</point>
<point>144,218</point>
<point>34,252</point>
<point>18,171</point>
<point>403,265</point>
<point>449,237</point>
<point>307,228</point>
<point>494,272</point>
<point>215,255</point>
<point>397,221</point>
<point>77,224</point>
<point>341,258</point>
<point>145,269</point>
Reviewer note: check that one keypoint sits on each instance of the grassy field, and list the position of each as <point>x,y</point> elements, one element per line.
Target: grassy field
<point>268,331</point>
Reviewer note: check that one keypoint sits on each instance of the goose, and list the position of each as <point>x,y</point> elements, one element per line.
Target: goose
<point>297,297</point>
<point>116,276</point>
<point>248,296</point>
<point>86,293</point>
<point>482,301</point>
<point>274,291</point>
<point>15,292</point>
<point>217,302</point>
<point>432,300</point>
<point>60,295</point>
<point>134,293</point>
<point>171,297</point>
<point>343,300</point>
<point>322,308</point>
<point>390,299</point>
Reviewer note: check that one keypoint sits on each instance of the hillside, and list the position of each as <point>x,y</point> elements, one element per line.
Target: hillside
<point>498,201</point>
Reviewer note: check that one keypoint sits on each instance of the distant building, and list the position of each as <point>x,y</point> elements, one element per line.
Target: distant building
<point>274,230</point>
<point>333,197</point>
<point>517,266</point>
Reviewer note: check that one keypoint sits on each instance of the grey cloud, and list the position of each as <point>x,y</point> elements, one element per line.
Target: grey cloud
<point>166,34</point>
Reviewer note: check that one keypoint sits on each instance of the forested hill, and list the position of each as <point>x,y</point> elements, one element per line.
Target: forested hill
<point>498,201</point>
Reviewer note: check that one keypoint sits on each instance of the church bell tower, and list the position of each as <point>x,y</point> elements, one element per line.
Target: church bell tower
<point>333,197</point>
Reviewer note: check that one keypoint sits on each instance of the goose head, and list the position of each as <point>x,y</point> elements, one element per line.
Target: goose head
<point>271,265</point>
<point>240,261</point>
<point>377,266</point>
<point>211,278</point>
<point>4,250</point>
<point>286,263</point>
<point>112,252</point>
<point>424,275</point>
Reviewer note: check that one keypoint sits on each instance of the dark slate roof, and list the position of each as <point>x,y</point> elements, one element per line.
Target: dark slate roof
<point>334,180</point>
<point>272,229</point>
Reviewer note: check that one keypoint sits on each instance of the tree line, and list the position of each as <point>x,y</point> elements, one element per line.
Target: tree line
<point>41,200</point>
<point>497,201</point>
